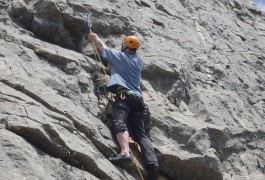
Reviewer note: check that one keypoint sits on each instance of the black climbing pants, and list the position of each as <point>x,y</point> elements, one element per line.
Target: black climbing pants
<point>127,115</point>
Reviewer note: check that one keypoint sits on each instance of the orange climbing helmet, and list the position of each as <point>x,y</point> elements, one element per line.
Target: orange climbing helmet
<point>131,42</point>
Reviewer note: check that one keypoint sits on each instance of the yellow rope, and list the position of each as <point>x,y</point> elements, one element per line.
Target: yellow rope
<point>97,55</point>
<point>137,166</point>
<point>98,59</point>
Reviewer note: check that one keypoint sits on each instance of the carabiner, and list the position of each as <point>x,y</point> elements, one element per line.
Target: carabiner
<point>122,96</point>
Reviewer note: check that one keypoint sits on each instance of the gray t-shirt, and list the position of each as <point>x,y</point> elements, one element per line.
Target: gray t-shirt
<point>126,69</point>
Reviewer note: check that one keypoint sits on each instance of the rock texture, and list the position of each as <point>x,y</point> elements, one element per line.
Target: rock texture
<point>203,80</point>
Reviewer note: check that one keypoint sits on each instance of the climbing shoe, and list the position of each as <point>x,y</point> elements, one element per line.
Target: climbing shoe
<point>121,157</point>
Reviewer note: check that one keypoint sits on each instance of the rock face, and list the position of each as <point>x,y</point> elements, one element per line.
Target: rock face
<point>203,80</point>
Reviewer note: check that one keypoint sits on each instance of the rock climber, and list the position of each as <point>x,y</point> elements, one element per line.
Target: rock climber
<point>127,115</point>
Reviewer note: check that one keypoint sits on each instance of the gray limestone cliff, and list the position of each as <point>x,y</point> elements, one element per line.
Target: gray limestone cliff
<point>203,80</point>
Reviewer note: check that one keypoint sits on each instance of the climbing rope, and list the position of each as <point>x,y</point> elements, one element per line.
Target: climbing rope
<point>137,166</point>
<point>98,60</point>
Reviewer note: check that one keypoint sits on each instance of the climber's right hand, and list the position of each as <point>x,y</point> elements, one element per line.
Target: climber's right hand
<point>92,36</point>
